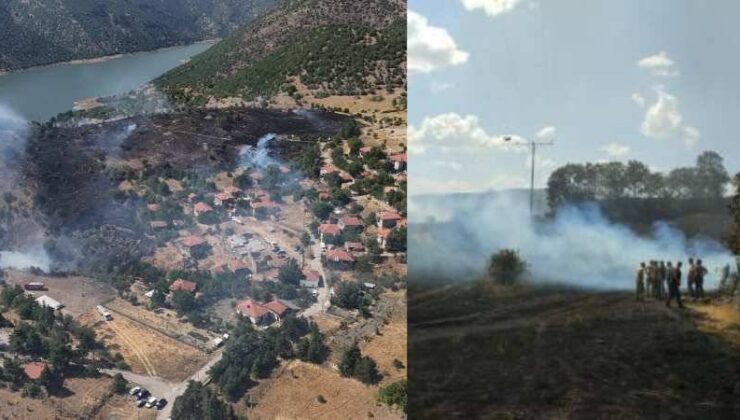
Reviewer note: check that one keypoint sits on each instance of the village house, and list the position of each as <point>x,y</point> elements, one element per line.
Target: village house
<point>364,151</point>
<point>326,230</point>
<point>398,160</point>
<point>264,207</point>
<point>256,313</point>
<point>192,241</point>
<point>153,207</point>
<point>339,259</point>
<point>352,223</point>
<point>383,234</point>
<point>311,278</point>
<point>233,191</point>
<point>34,370</point>
<point>354,247</point>
<point>328,169</point>
<point>181,285</point>
<point>324,196</point>
<point>201,208</point>
<point>46,301</point>
<point>222,199</point>
<point>387,219</point>
<point>277,308</point>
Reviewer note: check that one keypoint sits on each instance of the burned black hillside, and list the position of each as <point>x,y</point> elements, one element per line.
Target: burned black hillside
<point>76,171</point>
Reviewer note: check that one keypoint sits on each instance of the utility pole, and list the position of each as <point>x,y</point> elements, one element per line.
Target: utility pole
<point>533,151</point>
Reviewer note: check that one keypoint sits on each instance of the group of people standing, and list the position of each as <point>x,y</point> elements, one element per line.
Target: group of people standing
<point>662,280</point>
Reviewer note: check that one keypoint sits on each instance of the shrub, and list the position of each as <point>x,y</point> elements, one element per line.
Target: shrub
<point>506,267</point>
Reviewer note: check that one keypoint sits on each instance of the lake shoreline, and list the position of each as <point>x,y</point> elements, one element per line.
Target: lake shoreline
<point>104,58</point>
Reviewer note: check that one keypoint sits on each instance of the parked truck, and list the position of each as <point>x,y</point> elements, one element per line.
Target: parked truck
<point>104,313</point>
<point>34,285</point>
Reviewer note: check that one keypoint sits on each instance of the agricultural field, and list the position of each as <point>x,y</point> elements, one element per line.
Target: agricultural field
<point>146,350</point>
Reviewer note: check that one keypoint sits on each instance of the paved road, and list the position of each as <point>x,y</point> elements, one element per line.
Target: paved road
<point>161,388</point>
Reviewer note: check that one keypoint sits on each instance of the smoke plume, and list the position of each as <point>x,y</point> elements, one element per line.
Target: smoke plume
<point>257,156</point>
<point>578,246</point>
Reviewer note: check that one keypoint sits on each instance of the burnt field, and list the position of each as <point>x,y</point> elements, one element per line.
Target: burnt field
<point>482,351</point>
<point>73,173</point>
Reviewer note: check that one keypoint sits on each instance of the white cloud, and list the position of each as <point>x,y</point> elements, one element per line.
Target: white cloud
<point>430,47</point>
<point>659,64</point>
<point>638,99</point>
<point>616,150</point>
<point>438,87</point>
<point>455,131</point>
<point>491,7</point>
<point>546,133</point>
<point>663,120</point>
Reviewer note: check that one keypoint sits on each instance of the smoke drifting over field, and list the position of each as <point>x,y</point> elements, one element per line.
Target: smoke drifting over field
<point>257,156</point>
<point>579,246</point>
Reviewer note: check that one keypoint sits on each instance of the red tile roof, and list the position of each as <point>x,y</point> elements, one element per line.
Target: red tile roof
<point>365,149</point>
<point>384,233</point>
<point>248,307</point>
<point>351,221</point>
<point>202,207</point>
<point>329,229</point>
<point>223,196</point>
<point>339,255</point>
<point>236,265</point>
<point>158,224</point>
<point>192,240</point>
<point>311,275</point>
<point>284,169</point>
<point>354,246</point>
<point>388,215</point>
<point>398,157</point>
<point>34,369</point>
<point>153,207</point>
<point>183,285</point>
<point>277,307</point>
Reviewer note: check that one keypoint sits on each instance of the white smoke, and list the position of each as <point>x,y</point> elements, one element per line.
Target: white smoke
<point>579,246</point>
<point>257,156</point>
<point>23,260</point>
<point>24,232</point>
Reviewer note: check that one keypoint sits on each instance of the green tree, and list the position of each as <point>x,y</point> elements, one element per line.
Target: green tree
<point>119,384</point>
<point>506,267</point>
<point>290,273</point>
<point>200,403</point>
<point>394,394</point>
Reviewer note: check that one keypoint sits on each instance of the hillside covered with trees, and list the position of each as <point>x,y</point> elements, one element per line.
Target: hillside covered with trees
<point>38,32</point>
<point>333,47</point>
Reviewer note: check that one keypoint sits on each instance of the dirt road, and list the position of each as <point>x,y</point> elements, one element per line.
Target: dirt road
<point>531,353</point>
<point>323,298</point>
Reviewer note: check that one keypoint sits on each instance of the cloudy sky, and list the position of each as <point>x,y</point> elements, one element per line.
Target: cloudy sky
<point>655,81</point>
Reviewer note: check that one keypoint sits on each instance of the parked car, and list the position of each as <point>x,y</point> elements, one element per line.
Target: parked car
<point>135,390</point>
<point>297,248</point>
<point>151,402</point>
<point>140,403</point>
<point>143,393</point>
<point>161,403</point>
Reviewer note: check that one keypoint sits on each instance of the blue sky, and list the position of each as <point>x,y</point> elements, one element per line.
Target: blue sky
<point>657,81</point>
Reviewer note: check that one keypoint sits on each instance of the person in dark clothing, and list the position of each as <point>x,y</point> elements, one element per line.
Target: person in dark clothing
<point>699,272</point>
<point>691,278</point>
<point>674,286</point>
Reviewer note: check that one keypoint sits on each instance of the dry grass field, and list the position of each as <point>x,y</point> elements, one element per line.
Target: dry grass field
<point>145,350</point>
<point>294,392</point>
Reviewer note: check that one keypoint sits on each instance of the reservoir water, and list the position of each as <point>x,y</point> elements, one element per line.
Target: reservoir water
<point>40,93</point>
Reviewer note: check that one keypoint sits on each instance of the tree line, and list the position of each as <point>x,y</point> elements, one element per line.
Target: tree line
<point>614,181</point>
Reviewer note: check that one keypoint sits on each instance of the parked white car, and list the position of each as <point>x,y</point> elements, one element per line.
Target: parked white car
<point>151,402</point>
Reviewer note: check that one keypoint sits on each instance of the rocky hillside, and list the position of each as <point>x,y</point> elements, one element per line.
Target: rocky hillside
<point>332,47</point>
<point>37,32</point>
